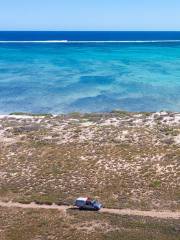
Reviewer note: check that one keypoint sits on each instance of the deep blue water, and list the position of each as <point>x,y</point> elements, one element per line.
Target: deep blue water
<point>88,36</point>
<point>89,77</point>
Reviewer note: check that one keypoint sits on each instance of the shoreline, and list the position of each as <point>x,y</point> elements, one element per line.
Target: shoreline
<point>106,118</point>
<point>124,112</point>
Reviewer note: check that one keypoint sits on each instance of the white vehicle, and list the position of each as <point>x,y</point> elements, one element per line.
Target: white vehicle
<point>87,204</point>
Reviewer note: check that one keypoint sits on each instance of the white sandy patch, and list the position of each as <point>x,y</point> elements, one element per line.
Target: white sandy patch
<point>6,140</point>
<point>177,139</point>
<point>16,116</point>
<point>87,124</point>
<point>110,121</point>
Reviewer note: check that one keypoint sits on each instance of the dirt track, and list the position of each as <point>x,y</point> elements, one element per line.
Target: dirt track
<point>156,214</point>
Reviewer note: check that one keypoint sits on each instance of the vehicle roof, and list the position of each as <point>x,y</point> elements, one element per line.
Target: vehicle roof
<point>82,199</point>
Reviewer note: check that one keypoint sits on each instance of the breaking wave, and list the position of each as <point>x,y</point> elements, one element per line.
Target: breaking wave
<point>93,41</point>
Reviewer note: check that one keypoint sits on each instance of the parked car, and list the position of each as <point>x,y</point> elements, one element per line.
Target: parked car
<point>87,204</point>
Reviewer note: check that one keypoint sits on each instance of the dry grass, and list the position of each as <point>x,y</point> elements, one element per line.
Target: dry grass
<point>18,224</point>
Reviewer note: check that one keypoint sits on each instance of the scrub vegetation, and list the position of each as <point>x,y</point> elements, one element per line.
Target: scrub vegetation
<point>124,160</point>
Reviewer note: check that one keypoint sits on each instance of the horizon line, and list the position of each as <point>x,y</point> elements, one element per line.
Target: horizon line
<point>50,30</point>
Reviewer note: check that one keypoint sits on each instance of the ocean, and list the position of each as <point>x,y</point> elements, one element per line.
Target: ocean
<point>61,72</point>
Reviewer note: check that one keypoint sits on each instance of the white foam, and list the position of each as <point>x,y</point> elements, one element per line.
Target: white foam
<point>66,41</point>
<point>36,41</point>
<point>127,41</point>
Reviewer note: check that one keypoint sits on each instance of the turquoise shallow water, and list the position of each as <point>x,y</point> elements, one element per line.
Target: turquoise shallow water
<point>89,77</point>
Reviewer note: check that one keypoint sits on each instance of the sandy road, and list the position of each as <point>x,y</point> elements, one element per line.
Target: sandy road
<point>155,214</point>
